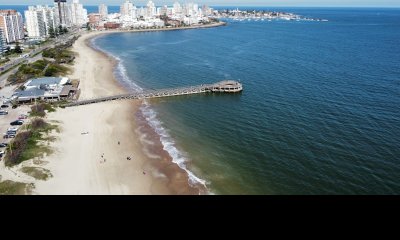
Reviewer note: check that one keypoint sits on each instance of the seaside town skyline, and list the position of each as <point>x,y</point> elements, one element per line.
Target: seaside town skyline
<point>284,3</point>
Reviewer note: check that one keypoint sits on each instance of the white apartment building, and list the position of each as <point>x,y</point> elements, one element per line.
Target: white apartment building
<point>12,24</point>
<point>63,13</point>
<point>39,20</point>
<point>126,8</point>
<point>177,8</point>
<point>103,11</point>
<point>151,9</point>
<point>78,13</point>
<point>2,42</point>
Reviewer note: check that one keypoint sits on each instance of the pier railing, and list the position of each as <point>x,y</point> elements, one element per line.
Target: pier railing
<point>224,86</point>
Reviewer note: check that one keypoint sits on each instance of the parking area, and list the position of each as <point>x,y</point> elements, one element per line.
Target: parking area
<point>11,116</point>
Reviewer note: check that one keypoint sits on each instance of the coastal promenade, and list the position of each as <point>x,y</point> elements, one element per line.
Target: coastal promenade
<point>226,86</point>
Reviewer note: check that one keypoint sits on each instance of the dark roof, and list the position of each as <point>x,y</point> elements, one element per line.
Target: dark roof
<point>31,93</point>
<point>66,89</point>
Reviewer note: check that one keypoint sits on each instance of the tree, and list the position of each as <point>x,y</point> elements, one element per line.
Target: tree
<point>65,30</point>
<point>60,30</point>
<point>17,48</point>
<point>52,32</point>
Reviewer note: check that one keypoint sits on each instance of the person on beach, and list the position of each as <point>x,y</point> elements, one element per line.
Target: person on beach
<point>118,143</point>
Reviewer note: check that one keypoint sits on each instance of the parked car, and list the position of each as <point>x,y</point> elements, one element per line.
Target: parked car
<point>3,112</point>
<point>2,153</point>
<point>17,122</point>
<point>23,116</point>
<point>11,132</point>
<point>2,145</point>
<point>13,129</point>
<point>8,136</point>
<point>4,106</point>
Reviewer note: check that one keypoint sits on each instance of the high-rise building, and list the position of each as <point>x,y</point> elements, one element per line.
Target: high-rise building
<point>177,8</point>
<point>126,8</point>
<point>39,20</point>
<point>206,10</point>
<point>2,42</point>
<point>163,10</point>
<point>151,9</point>
<point>78,13</point>
<point>63,12</point>
<point>103,11</point>
<point>12,24</point>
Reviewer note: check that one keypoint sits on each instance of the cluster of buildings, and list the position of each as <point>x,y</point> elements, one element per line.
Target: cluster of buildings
<point>41,19</point>
<point>150,16</point>
<point>11,28</point>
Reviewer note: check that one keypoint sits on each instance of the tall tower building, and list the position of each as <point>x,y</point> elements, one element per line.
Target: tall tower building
<point>103,11</point>
<point>151,9</point>
<point>78,13</point>
<point>177,8</point>
<point>2,42</point>
<point>12,24</point>
<point>39,20</point>
<point>126,8</point>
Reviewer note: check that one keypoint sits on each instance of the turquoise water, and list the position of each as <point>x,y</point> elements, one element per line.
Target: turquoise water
<point>320,109</point>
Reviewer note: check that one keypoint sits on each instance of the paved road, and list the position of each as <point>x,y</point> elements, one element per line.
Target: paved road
<point>61,40</point>
<point>3,78</point>
<point>31,57</point>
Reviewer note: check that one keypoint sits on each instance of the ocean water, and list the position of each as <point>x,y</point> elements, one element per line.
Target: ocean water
<point>319,113</point>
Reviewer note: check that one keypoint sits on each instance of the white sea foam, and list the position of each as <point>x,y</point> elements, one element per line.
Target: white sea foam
<point>151,117</point>
<point>120,70</point>
<point>168,143</point>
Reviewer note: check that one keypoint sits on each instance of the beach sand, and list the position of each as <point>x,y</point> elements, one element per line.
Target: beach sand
<point>87,157</point>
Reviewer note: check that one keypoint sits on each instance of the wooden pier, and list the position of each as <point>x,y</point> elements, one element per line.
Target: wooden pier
<point>227,86</point>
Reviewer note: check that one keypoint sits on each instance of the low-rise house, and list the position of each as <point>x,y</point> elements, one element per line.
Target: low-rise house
<point>46,88</point>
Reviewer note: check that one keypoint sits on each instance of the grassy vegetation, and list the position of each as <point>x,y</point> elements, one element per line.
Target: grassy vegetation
<point>15,188</point>
<point>29,144</point>
<point>55,69</point>
<point>38,110</point>
<point>60,55</point>
<point>2,61</point>
<point>37,173</point>
<point>40,68</point>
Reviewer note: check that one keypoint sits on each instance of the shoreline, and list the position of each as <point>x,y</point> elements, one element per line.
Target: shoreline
<point>157,157</point>
<point>97,33</point>
<point>151,170</point>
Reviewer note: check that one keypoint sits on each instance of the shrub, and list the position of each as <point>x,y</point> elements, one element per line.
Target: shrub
<point>16,148</point>
<point>38,123</point>
<point>38,110</point>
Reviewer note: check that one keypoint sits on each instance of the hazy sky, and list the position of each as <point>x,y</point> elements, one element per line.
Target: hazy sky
<point>366,3</point>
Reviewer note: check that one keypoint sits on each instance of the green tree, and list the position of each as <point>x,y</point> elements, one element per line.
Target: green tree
<point>65,30</point>
<point>52,32</point>
<point>17,48</point>
<point>60,30</point>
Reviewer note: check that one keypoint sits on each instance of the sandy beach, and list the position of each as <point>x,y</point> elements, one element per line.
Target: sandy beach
<point>95,141</point>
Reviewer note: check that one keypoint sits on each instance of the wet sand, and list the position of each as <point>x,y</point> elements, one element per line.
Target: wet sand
<point>88,132</point>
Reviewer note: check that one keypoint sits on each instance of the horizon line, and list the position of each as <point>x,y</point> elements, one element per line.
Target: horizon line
<point>310,6</point>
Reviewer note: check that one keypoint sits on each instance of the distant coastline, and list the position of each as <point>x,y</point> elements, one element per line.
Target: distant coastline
<point>219,24</point>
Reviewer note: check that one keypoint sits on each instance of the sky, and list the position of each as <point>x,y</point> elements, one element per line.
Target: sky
<point>292,3</point>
